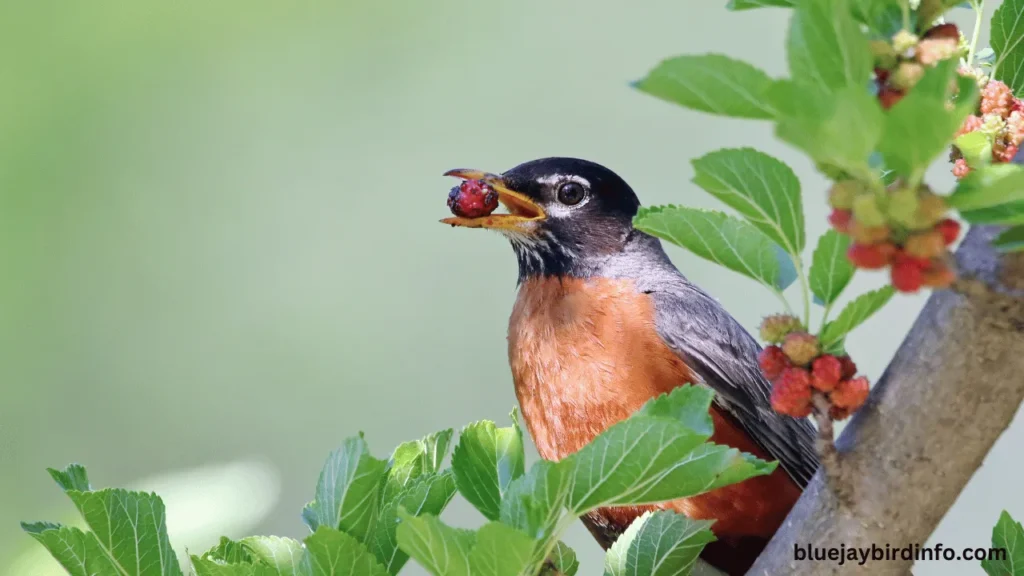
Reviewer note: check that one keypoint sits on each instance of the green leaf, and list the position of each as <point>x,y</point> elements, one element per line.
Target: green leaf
<point>687,405</point>
<point>414,459</point>
<point>991,186</point>
<point>74,477</point>
<point>281,556</point>
<point>227,550</point>
<point>428,494</point>
<point>653,457</point>
<point>1008,42</point>
<point>826,47</point>
<point>211,567</point>
<point>714,236</point>
<point>1008,535</point>
<point>658,544</point>
<point>80,553</point>
<point>564,560</point>
<point>975,148</point>
<point>748,4</point>
<point>348,491</point>
<point>764,190</point>
<point>441,549</point>
<point>838,129</point>
<point>334,553</point>
<point>883,18</point>
<point>711,83</point>
<point>831,270</point>
<point>1011,240</point>
<point>919,127</point>
<point>500,551</point>
<point>1010,214</point>
<point>855,314</point>
<point>535,502</point>
<point>130,527</point>
<point>486,460</point>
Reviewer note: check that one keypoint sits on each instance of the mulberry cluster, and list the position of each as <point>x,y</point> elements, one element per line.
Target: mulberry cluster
<point>901,62</point>
<point>903,229</point>
<point>797,369</point>
<point>1000,118</point>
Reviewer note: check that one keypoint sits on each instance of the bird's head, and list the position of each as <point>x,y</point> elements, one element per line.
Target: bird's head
<point>565,215</point>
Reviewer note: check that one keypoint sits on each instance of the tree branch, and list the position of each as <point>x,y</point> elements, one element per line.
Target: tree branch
<point>953,387</point>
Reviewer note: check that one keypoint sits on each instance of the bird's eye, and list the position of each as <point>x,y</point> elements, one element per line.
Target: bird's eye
<point>571,193</point>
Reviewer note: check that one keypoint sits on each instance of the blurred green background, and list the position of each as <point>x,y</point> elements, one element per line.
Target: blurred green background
<point>219,240</point>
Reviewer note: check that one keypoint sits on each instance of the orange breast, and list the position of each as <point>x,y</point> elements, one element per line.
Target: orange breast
<point>585,354</point>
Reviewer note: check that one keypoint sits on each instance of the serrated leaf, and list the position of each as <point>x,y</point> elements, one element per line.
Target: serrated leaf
<point>564,560</point>
<point>762,189</point>
<point>1008,534</point>
<point>839,129</point>
<point>854,314</point>
<point>976,149</point>
<point>500,551</point>
<point>440,549</point>
<point>658,544</point>
<point>715,236</point>
<point>826,47</point>
<point>486,460</point>
<point>711,83</point>
<point>831,270</point>
<point>281,556</point>
<point>348,491</point>
<point>652,457</point>
<point>748,4</point>
<point>1011,240</point>
<point>74,477</point>
<point>920,127</point>
<point>333,553</point>
<point>130,528</point>
<point>995,185</point>
<point>1007,31</point>
<point>211,567</point>
<point>535,501</point>
<point>425,495</point>
<point>227,550</point>
<point>411,460</point>
<point>80,553</point>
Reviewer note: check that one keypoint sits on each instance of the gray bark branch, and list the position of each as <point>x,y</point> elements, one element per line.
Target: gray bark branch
<point>953,387</point>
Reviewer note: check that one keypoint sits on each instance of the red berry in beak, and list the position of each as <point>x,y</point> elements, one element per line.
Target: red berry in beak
<point>472,199</point>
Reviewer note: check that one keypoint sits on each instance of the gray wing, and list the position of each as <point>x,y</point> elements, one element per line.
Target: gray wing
<point>724,356</point>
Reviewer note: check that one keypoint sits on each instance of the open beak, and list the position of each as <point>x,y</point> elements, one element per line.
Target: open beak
<point>522,211</point>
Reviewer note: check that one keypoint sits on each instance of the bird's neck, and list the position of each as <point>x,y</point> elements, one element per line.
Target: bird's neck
<point>546,256</point>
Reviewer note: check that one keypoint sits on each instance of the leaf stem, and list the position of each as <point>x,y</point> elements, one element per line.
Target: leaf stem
<point>824,317</point>
<point>804,290</point>
<point>781,297</point>
<point>978,14</point>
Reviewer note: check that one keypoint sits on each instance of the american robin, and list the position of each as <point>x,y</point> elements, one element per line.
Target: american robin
<point>603,321</point>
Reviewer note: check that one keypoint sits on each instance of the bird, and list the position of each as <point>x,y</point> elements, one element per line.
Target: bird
<point>603,321</point>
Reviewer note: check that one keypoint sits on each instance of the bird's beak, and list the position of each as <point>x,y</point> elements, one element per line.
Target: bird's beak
<point>523,212</point>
